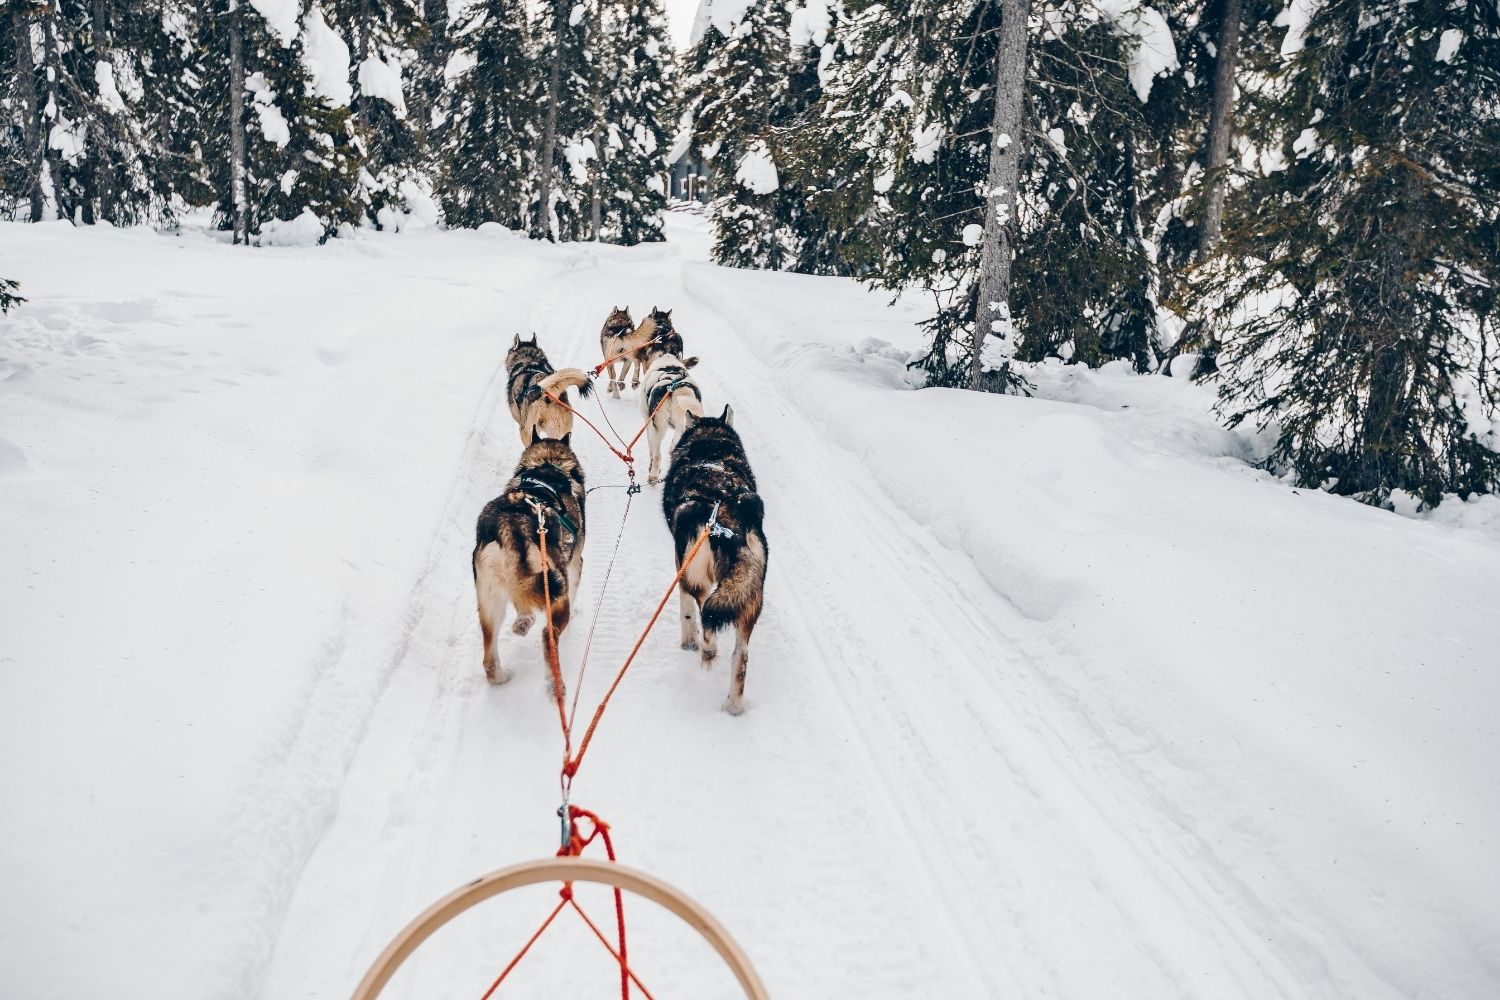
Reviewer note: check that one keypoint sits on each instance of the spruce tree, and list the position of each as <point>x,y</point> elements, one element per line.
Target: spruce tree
<point>10,295</point>
<point>301,153</point>
<point>1353,289</point>
<point>566,156</point>
<point>636,83</point>
<point>385,36</point>
<point>487,137</point>
<point>741,94</point>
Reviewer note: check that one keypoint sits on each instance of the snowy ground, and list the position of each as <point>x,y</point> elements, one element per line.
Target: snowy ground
<point>1052,697</point>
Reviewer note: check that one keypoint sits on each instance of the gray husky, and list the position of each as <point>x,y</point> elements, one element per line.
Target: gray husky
<point>529,374</point>
<point>725,582</point>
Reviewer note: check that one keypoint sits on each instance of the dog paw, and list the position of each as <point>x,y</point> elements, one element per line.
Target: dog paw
<point>652,480</point>
<point>709,655</point>
<point>690,644</point>
<point>522,625</point>
<point>496,674</point>
<point>734,706</point>
<point>634,383</point>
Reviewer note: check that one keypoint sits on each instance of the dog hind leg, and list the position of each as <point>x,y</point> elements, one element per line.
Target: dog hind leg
<point>735,704</point>
<point>689,605</point>
<point>491,599</point>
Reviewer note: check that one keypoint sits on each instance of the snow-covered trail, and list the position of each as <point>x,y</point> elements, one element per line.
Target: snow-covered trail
<point>1051,697</point>
<point>909,808</point>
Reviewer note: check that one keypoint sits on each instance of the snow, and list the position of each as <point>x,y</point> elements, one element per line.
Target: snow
<point>1052,697</point>
<point>926,141</point>
<point>68,137</point>
<point>281,17</point>
<point>109,94</point>
<point>576,15</point>
<point>305,230</point>
<point>1295,17</point>
<point>273,124</point>
<point>1448,44</point>
<point>757,170</point>
<point>382,81</point>
<point>326,56</point>
<point>1154,52</point>
<point>579,154</point>
<point>973,234</point>
<point>810,24</point>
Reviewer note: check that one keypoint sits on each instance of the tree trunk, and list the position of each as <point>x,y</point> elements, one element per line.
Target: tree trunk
<point>54,164</point>
<point>1219,127</point>
<point>103,180</point>
<point>992,310</point>
<point>594,199</point>
<point>237,178</point>
<point>31,110</point>
<point>541,227</point>
<point>362,45</point>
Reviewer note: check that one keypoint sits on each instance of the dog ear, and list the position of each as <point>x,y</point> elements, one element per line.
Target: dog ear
<point>567,438</point>
<point>668,314</point>
<point>728,415</point>
<point>533,338</point>
<point>515,343</point>
<point>536,435</point>
<point>691,419</point>
<point>690,362</point>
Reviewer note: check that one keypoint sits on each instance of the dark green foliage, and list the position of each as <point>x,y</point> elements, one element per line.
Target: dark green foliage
<point>490,125</point>
<point>10,296</point>
<point>637,82</point>
<point>1354,292</point>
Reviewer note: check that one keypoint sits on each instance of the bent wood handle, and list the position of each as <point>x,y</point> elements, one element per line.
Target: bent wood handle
<point>568,869</point>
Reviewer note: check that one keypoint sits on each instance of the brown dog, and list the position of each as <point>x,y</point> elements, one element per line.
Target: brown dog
<point>547,486</point>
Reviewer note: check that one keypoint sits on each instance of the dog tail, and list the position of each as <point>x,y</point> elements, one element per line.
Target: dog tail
<point>739,593</point>
<point>561,381</point>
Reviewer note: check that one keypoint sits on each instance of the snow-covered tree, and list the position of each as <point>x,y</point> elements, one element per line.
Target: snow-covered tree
<point>568,36</point>
<point>635,82</point>
<point>289,73</point>
<point>740,95</point>
<point>385,36</point>
<point>488,136</point>
<point>1354,286</point>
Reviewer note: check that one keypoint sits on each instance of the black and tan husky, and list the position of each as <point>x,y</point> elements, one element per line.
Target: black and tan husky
<point>548,484</point>
<point>725,582</point>
<point>656,336</point>
<point>530,374</point>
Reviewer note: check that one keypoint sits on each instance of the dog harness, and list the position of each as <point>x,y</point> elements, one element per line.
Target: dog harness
<point>530,484</point>
<point>663,389</point>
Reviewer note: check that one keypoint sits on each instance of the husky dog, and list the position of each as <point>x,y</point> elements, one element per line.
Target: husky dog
<point>725,582</point>
<point>548,484</point>
<point>531,375</point>
<point>654,336</point>
<point>669,386</point>
<point>613,345</point>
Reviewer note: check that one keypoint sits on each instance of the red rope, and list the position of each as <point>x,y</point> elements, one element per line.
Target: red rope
<point>567,898</point>
<point>624,456</point>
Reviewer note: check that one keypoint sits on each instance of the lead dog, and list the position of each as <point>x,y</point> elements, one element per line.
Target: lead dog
<point>613,339</point>
<point>668,396</point>
<point>507,560</point>
<point>655,336</point>
<point>531,377</point>
<point>725,582</point>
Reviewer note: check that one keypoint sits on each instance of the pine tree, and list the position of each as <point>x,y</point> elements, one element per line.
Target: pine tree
<point>567,153</point>
<point>636,84</point>
<point>487,139</point>
<point>386,37</point>
<point>1353,288</point>
<point>741,94</point>
<point>10,295</point>
<point>300,151</point>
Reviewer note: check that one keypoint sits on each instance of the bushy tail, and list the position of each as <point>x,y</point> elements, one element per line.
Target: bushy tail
<point>561,381</point>
<point>739,591</point>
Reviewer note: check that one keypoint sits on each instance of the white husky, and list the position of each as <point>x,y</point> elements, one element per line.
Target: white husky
<point>667,379</point>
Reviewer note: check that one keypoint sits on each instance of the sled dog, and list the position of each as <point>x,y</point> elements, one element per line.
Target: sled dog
<point>667,385</point>
<point>548,483</point>
<point>657,336</point>
<point>613,344</point>
<point>724,584</point>
<point>530,375</point>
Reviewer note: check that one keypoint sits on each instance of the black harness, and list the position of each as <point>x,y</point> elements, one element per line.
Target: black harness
<point>664,388</point>
<point>549,496</point>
